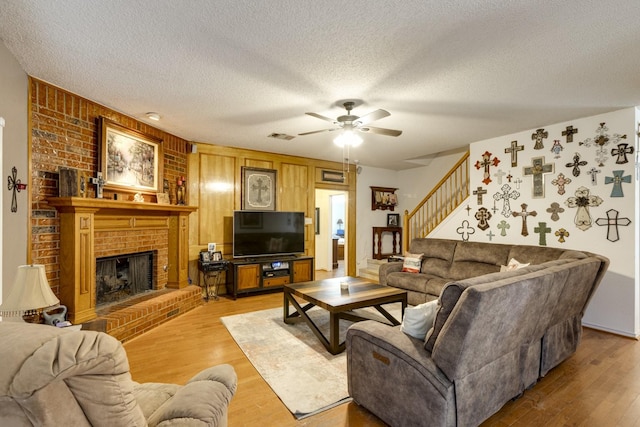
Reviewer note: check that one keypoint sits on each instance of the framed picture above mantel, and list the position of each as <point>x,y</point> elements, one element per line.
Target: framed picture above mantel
<point>383,198</point>
<point>130,161</point>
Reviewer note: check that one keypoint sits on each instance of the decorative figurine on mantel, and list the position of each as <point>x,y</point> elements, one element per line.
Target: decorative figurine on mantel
<point>99,182</point>
<point>181,190</point>
<point>138,198</point>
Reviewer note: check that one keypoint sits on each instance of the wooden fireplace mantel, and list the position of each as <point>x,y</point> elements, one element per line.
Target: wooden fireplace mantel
<point>81,217</point>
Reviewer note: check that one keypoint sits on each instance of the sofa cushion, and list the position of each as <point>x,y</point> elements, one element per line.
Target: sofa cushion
<point>473,259</point>
<point>418,320</point>
<point>514,264</point>
<point>540,254</point>
<point>438,255</point>
<point>411,263</point>
<point>453,290</point>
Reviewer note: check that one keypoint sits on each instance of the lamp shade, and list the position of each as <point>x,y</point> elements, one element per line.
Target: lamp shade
<point>31,291</point>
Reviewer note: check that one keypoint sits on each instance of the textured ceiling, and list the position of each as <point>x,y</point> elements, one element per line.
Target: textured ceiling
<point>232,72</point>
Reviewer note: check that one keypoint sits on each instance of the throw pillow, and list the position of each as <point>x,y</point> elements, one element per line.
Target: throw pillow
<point>412,263</point>
<point>418,320</point>
<point>513,265</point>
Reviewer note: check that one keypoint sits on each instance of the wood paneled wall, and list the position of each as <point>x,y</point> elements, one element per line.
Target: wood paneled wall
<point>216,189</point>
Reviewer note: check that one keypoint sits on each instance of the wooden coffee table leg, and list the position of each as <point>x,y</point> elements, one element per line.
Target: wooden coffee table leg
<point>334,334</point>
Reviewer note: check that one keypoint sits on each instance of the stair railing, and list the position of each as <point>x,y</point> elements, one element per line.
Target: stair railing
<point>447,195</point>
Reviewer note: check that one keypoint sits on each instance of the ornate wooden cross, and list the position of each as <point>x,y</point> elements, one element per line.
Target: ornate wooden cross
<point>505,196</point>
<point>503,226</point>
<point>617,179</point>
<point>621,152</point>
<point>562,233</point>
<point>538,170</point>
<point>538,136</point>
<point>554,210</point>
<point>513,150</point>
<point>524,214</point>
<point>465,230</point>
<point>583,200</point>
<point>483,216</point>
<point>486,163</point>
<point>479,193</point>
<point>594,174</point>
<point>568,132</point>
<point>612,222</point>
<point>542,231</point>
<point>561,181</point>
<point>576,164</point>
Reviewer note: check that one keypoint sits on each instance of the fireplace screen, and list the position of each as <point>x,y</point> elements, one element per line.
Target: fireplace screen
<point>123,276</point>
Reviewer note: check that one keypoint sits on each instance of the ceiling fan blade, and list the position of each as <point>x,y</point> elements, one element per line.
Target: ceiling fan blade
<point>318,131</point>
<point>321,117</point>
<point>381,131</point>
<point>373,116</point>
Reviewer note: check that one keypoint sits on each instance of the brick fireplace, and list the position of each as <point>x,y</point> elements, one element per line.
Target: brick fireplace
<point>95,228</point>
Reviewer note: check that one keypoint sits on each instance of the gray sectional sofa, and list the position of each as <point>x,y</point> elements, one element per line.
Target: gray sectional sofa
<point>494,334</point>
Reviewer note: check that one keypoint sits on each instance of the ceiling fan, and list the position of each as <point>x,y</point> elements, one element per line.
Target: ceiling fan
<point>351,122</point>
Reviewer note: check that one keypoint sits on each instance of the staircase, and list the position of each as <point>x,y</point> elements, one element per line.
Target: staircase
<point>445,197</point>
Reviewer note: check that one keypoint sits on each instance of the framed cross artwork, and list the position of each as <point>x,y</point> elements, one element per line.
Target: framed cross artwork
<point>258,189</point>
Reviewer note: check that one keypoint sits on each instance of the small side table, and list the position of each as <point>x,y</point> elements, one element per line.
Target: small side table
<point>212,276</point>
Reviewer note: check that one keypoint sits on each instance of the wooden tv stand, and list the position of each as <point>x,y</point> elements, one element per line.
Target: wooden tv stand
<point>247,275</point>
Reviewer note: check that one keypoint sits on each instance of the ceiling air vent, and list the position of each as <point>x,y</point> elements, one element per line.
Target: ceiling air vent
<point>281,136</point>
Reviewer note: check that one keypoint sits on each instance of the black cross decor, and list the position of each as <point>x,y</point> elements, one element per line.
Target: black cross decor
<point>612,222</point>
<point>16,185</point>
<point>576,164</point>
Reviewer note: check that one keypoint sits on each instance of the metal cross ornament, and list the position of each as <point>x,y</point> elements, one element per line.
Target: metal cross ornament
<point>486,162</point>
<point>568,132</point>
<point>583,200</point>
<point>465,230</point>
<point>612,222</point>
<point>99,182</point>
<point>576,165</point>
<point>594,175</point>
<point>16,185</point>
<point>505,196</point>
<point>483,216</point>
<point>561,234</point>
<point>524,214</point>
<point>538,170</point>
<point>554,210</point>
<point>561,181</point>
<point>503,226</point>
<point>621,152</point>
<point>542,231</point>
<point>538,136</point>
<point>617,179</point>
<point>513,150</point>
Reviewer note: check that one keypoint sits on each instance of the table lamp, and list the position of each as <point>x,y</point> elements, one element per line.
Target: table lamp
<point>31,294</point>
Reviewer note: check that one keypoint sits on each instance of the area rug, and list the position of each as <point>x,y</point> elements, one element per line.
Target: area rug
<point>302,373</point>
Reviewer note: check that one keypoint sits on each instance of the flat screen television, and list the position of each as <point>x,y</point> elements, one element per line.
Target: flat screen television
<point>266,233</point>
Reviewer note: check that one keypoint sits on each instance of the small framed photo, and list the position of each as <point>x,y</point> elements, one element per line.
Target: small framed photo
<point>216,256</point>
<point>393,220</point>
<point>211,247</point>
<point>205,257</point>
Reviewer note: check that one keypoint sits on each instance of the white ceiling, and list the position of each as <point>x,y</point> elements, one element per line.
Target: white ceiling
<point>231,72</point>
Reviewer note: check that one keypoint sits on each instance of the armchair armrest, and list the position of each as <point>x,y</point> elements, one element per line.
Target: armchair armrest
<point>224,374</point>
<point>387,268</point>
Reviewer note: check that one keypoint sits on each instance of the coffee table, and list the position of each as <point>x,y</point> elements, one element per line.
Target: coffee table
<point>327,294</point>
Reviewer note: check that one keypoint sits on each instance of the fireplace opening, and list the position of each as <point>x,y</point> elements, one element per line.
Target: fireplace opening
<point>122,276</point>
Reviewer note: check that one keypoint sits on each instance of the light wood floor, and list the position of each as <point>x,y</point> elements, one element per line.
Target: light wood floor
<point>598,386</point>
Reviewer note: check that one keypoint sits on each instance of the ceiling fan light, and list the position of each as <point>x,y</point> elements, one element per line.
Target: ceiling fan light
<point>347,138</point>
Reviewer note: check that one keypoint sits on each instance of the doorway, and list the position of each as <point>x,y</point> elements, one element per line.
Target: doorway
<point>331,254</point>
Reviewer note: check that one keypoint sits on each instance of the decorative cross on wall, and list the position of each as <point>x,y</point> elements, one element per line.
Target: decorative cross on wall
<point>602,139</point>
<point>576,164</point>
<point>513,150</point>
<point>538,136</point>
<point>561,181</point>
<point>594,174</point>
<point>538,170</point>
<point>479,193</point>
<point>499,176</point>
<point>568,132</point>
<point>505,196</point>
<point>16,185</point>
<point>554,210</point>
<point>542,231</point>
<point>583,200</point>
<point>486,163</point>
<point>612,222</point>
<point>601,156</point>
<point>490,235</point>
<point>524,214</point>
<point>468,208</point>
<point>509,177</point>
<point>503,226</point>
<point>465,230</point>
<point>562,233</point>
<point>617,179</point>
<point>621,152</point>
<point>483,216</point>
<point>517,182</point>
